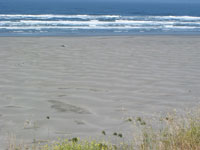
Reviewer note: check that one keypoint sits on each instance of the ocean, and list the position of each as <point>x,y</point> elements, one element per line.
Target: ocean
<point>40,18</point>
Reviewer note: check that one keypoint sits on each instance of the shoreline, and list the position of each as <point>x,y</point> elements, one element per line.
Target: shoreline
<point>82,36</point>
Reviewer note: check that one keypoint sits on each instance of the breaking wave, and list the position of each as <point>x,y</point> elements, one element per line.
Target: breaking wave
<point>63,23</point>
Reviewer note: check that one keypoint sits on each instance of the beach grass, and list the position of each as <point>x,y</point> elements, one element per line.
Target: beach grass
<point>79,145</point>
<point>175,132</point>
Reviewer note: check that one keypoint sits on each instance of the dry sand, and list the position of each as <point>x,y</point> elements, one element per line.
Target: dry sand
<point>89,84</point>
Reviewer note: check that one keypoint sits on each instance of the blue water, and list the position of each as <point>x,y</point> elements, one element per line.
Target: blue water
<point>26,18</point>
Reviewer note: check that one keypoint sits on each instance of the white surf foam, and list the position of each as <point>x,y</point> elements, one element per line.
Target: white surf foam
<point>50,21</point>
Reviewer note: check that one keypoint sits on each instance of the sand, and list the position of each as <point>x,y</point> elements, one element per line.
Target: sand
<point>78,86</point>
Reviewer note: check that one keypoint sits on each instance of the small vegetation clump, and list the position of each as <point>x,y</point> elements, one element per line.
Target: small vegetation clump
<point>75,144</point>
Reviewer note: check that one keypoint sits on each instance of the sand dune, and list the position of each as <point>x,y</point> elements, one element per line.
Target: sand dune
<point>89,84</point>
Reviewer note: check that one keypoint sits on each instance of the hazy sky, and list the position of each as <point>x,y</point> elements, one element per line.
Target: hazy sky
<point>160,1</point>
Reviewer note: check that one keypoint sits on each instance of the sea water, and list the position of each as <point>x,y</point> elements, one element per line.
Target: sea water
<point>52,18</point>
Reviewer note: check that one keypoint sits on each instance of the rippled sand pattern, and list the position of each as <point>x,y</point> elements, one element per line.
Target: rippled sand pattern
<point>89,84</point>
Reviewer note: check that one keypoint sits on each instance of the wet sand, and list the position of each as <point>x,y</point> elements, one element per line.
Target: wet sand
<point>78,86</point>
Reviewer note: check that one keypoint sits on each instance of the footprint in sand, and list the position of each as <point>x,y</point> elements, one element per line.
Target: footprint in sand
<point>63,107</point>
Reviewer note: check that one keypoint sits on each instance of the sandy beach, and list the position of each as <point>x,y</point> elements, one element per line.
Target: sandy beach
<point>64,87</point>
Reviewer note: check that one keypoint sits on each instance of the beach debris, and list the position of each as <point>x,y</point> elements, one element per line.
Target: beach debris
<point>129,119</point>
<point>120,135</point>
<point>48,117</point>
<point>62,45</point>
<point>142,122</point>
<point>115,133</point>
<point>27,124</point>
<point>103,132</point>
<point>139,119</point>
